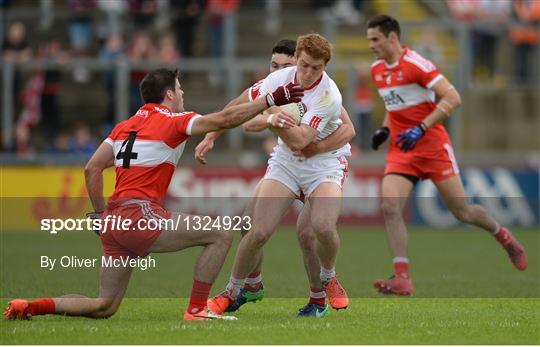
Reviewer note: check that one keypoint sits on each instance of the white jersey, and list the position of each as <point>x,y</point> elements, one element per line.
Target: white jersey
<point>323,104</point>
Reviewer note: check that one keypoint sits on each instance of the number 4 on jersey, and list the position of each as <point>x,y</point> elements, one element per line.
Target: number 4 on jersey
<point>128,154</point>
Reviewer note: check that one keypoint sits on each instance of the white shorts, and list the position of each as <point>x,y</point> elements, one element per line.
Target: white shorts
<point>303,175</point>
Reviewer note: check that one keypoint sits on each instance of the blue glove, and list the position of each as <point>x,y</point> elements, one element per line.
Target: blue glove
<point>407,139</point>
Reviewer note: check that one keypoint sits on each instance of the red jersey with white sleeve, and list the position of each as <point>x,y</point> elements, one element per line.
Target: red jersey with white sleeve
<point>147,148</point>
<point>405,87</point>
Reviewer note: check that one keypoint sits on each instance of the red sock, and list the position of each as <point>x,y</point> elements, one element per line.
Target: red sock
<point>317,296</point>
<point>401,270</point>
<point>503,236</point>
<point>253,281</point>
<point>199,295</point>
<point>254,274</point>
<point>41,306</point>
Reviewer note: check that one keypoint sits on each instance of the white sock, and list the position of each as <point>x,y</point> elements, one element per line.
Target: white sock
<point>234,286</point>
<point>497,228</point>
<point>327,274</point>
<point>318,295</point>
<point>400,260</point>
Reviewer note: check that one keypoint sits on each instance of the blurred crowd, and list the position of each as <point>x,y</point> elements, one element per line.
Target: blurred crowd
<point>139,31</point>
<point>487,36</point>
<point>167,31</point>
<point>98,29</point>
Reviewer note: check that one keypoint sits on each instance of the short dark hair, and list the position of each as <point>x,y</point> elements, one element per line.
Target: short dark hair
<point>386,24</point>
<point>156,83</point>
<point>285,46</point>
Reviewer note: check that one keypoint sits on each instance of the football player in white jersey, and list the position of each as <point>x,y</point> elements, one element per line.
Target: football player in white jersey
<point>319,177</point>
<point>282,57</point>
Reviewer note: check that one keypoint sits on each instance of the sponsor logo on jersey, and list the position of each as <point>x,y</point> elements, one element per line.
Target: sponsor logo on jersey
<point>393,99</point>
<point>142,113</point>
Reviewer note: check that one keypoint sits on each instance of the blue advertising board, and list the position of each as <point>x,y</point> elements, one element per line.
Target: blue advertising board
<point>511,196</point>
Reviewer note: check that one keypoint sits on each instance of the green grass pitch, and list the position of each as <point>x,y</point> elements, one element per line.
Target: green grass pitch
<point>467,292</point>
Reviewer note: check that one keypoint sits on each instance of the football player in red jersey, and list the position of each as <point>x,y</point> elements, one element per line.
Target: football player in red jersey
<point>145,150</point>
<point>283,56</point>
<point>420,147</point>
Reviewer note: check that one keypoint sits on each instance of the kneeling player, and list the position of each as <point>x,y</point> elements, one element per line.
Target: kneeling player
<point>145,150</point>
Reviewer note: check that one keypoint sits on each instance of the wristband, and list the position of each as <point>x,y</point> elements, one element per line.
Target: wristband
<point>270,100</point>
<point>423,126</point>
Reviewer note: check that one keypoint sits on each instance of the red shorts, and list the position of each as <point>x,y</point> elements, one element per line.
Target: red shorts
<point>135,239</point>
<point>436,166</point>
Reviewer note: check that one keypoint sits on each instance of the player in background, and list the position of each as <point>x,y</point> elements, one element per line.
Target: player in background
<point>145,150</point>
<point>420,147</point>
<point>288,175</point>
<point>283,56</point>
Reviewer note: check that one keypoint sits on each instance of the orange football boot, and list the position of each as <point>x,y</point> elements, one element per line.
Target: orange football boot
<point>336,294</point>
<point>219,303</point>
<point>395,286</point>
<point>515,251</point>
<point>206,314</point>
<point>17,310</point>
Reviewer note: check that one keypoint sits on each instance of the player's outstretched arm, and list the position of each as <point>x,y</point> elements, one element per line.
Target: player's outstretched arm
<point>339,138</point>
<point>207,143</point>
<point>93,174</point>
<point>233,116</point>
<point>257,124</point>
<point>268,119</point>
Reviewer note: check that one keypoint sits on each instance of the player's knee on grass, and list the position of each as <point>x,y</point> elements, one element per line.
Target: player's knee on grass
<point>106,308</point>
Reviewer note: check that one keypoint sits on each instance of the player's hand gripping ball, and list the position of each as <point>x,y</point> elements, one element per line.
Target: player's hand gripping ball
<point>285,95</point>
<point>296,109</point>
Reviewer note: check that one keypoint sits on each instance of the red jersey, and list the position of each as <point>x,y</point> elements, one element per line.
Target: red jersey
<point>405,89</point>
<point>147,148</point>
